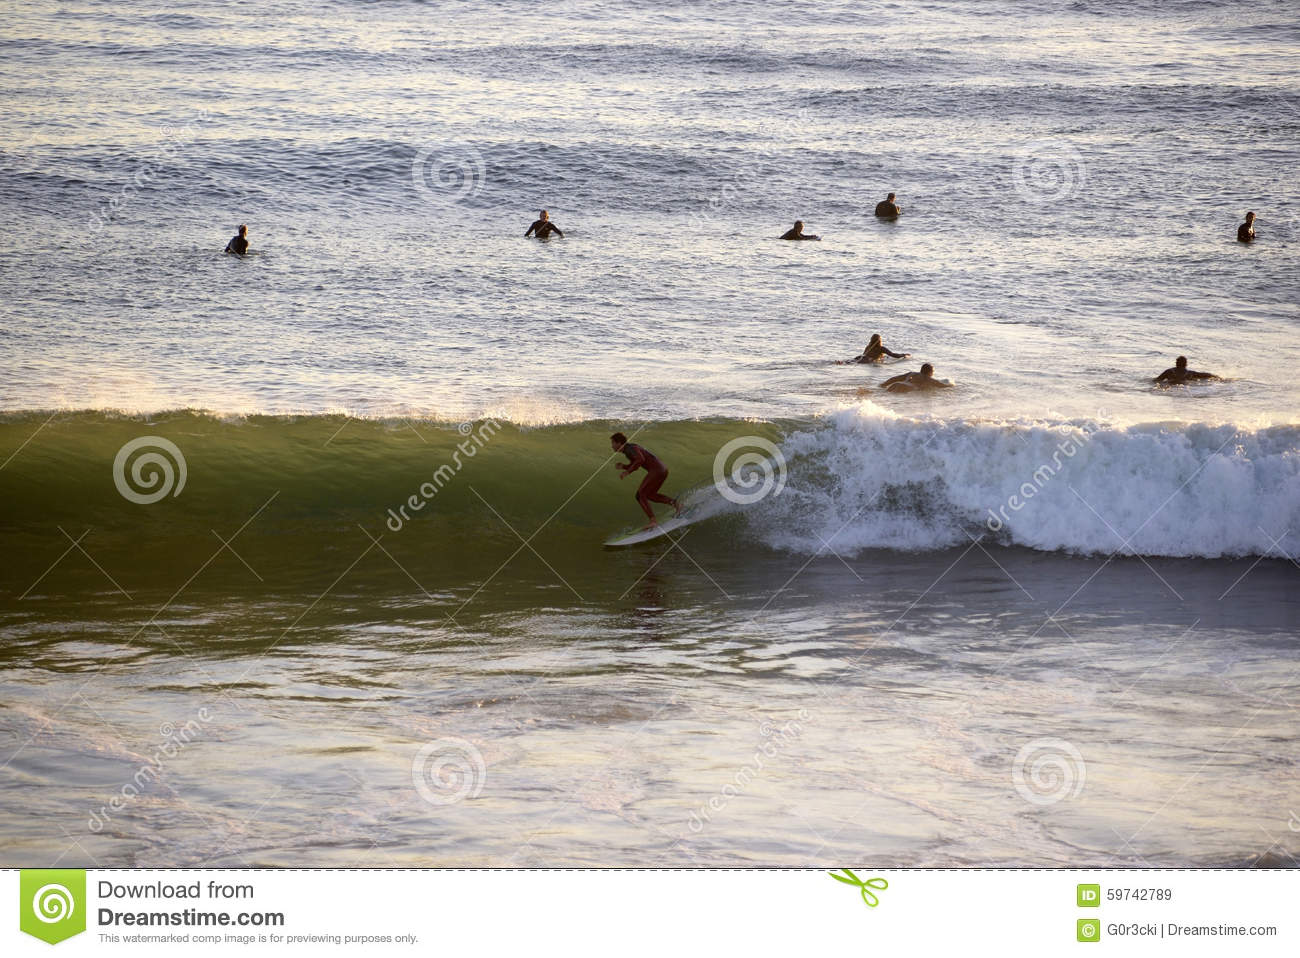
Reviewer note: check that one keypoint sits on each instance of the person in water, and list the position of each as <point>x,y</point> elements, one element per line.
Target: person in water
<point>1246,231</point>
<point>797,233</point>
<point>638,457</point>
<point>543,227</point>
<point>239,242</point>
<point>1181,374</point>
<point>887,209</point>
<point>912,382</point>
<point>875,352</point>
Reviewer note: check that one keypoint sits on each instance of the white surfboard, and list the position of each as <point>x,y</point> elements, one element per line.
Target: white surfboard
<point>700,504</point>
<point>645,535</point>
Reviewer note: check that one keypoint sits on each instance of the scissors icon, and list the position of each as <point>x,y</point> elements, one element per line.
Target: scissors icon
<point>868,895</point>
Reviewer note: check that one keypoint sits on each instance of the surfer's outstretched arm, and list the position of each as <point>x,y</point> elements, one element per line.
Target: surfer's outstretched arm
<point>890,352</point>
<point>893,380</point>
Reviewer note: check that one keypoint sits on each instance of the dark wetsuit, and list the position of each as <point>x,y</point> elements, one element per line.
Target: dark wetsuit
<point>639,457</point>
<point>1245,233</point>
<point>238,244</point>
<point>790,234</point>
<point>873,354</point>
<point>912,382</point>
<point>543,229</point>
<point>1175,375</point>
<point>887,210</point>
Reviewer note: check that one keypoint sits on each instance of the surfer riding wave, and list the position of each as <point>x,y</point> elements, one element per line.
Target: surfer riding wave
<point>638,457</point>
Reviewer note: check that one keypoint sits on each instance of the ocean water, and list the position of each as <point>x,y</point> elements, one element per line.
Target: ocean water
<point>303,556</point>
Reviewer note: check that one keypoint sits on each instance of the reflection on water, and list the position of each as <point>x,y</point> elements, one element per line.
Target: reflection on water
<point>869,709</point>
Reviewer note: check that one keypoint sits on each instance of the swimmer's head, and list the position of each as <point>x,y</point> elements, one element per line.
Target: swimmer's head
<point>927,370</point>
<point>1181,362</point>
<point>543,215</point>
<point>891,197</point>
<point>798,226</point>
<point>243,229</point>
<point>1250,217</point>
<point>618,441</point>
<point>875,339</point>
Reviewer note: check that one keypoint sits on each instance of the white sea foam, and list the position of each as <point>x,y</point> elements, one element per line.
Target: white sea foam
<point>867,478</point>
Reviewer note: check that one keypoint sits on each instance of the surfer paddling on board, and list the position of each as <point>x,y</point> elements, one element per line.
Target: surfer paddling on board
<point>1179,373</point>
<point>912,382</point>
<point>875,352</point>
<point>796,233</point>
<point>638,457</point>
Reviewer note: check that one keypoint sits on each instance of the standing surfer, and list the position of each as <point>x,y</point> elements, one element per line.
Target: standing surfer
<point>638,457</point>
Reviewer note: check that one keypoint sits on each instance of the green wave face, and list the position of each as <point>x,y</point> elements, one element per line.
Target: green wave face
<point>434,508</point>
